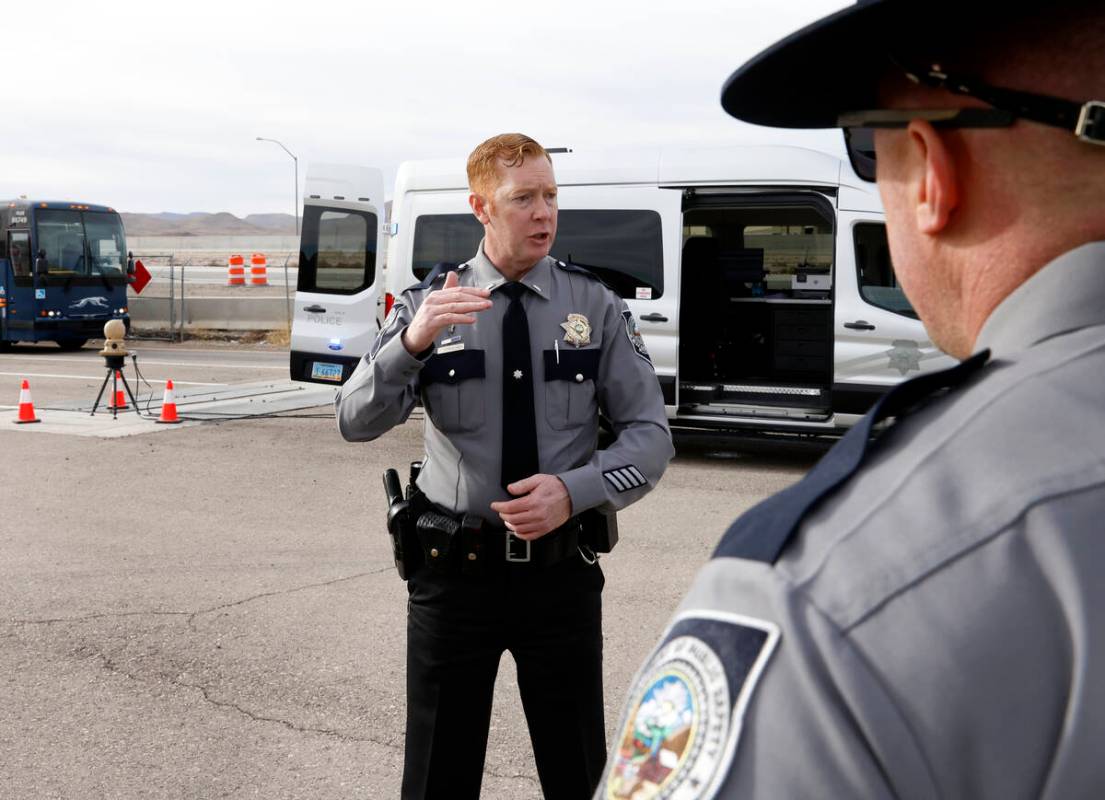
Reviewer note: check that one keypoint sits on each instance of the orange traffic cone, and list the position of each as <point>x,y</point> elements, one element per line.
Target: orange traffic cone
<point>26,407</point>
<point>120,403</point>
<point>168,405</point>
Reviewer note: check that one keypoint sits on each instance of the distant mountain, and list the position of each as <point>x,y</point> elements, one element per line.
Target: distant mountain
<point>199,223</point>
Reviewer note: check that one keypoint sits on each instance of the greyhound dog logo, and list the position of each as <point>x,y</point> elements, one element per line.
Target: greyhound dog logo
<point>90,302</point>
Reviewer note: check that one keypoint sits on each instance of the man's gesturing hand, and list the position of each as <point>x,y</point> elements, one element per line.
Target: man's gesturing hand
<point>449,305</point>
<point>541,505</point>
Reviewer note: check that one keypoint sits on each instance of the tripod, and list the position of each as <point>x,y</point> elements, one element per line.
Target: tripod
<point>115,366</point>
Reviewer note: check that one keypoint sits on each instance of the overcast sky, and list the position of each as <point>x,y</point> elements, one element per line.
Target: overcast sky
<point>149,106</point>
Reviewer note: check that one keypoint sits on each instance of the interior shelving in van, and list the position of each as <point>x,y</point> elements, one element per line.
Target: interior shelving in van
<point>755,335</point>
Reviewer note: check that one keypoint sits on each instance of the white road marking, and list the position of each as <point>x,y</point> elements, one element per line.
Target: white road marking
<point>143,362</point>
<point>101,377</point>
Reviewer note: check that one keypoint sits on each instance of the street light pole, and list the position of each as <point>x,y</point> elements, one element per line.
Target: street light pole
<point>295,196</point>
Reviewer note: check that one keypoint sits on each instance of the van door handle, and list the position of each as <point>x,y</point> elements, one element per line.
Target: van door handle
<point>654,317</point>
<point>315,309</point>
<point>860,325</point>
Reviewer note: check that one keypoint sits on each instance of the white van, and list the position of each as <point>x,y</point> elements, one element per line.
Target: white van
<point>760,276</point>
<point>340,272</point>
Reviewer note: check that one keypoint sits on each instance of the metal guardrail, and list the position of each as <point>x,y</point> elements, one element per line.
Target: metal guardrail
<point>178,296</point>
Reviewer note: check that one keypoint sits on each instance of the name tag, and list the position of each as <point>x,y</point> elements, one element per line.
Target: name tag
<point>450,345</point>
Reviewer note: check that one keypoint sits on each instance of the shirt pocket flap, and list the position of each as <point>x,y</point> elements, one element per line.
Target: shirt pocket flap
<point>572,365</point>
<point>452,368</point>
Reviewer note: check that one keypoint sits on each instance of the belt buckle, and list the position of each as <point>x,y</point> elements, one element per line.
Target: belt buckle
<point>510,556</point>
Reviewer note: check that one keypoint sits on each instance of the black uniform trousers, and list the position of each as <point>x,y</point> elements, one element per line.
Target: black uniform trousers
<point>550,619</point>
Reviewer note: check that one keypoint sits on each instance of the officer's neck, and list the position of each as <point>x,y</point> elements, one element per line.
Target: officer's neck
<point>509,268</point>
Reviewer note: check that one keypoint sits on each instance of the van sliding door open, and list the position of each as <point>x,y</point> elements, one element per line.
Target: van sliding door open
<point>756,324</point>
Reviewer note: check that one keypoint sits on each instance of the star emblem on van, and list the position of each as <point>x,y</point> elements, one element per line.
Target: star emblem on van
<point>577,330</point>
<point>905,356</point>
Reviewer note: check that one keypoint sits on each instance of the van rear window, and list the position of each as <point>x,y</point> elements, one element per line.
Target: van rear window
<point>623,247</point>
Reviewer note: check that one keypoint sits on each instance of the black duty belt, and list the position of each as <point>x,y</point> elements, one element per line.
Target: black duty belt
<point>468,544</point>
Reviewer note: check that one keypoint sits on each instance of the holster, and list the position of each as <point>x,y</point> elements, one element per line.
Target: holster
<point>402,514</point>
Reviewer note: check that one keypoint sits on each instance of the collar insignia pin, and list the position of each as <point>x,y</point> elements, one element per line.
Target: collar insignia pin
<point>577,330</point>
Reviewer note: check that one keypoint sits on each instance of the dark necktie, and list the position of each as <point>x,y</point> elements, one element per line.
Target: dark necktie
<point>520,459</point>
<point>761,533</point>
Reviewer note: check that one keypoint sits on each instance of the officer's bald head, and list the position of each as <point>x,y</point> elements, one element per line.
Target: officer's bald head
<point>504,150</point>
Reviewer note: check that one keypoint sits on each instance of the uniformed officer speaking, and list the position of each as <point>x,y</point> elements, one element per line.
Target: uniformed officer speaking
<point>513,354</point>
<point>923,615</point>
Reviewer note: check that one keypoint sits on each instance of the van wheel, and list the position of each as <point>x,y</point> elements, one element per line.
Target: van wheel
<point>71,344</point>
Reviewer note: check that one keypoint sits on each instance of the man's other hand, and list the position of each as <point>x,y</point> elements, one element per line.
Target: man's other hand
<point>541,505</point>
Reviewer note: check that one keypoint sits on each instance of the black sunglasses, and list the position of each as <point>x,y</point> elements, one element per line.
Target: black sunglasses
<point>1085,120</point>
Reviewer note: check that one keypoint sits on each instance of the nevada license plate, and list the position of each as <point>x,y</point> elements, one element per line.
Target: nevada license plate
<point>324,371</point>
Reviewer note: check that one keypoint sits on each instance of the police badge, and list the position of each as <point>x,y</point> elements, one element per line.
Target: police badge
<point>577,330</point>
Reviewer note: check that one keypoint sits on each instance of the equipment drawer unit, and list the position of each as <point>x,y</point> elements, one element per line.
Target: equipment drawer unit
<point>802,341</point>
<point>802,324</point>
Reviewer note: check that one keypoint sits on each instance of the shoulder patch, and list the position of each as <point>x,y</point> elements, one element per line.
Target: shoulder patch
<point>634,334</point>
<point>679,732</point>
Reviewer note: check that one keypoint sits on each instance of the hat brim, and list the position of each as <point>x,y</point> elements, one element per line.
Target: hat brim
<point>807,79</point>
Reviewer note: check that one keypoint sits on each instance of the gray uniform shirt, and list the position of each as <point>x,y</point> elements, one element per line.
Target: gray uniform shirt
<point>461,390</point>
<point>936,629</point>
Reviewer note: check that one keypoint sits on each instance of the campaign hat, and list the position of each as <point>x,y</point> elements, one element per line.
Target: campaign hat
<point>834,65</point>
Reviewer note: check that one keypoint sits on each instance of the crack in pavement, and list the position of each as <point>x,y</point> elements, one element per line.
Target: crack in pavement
<point>294,589</point>
<point>193,614</point>
<point>110,666</point>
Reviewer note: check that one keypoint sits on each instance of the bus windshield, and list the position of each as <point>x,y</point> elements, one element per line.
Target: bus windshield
<point>82,242</point>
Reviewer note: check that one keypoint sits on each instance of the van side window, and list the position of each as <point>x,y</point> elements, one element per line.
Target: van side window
<point>623,247</point>
<point>337,250</point>
<point>878,284</point>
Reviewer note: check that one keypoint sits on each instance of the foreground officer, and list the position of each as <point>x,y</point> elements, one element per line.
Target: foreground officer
<point>513,354</point>
<point>924,616</point>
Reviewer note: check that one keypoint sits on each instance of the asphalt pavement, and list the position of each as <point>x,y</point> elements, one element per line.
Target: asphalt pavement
<point>214,613</point>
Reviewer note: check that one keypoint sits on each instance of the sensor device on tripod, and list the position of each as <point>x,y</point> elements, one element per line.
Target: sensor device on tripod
<point>115,356</point>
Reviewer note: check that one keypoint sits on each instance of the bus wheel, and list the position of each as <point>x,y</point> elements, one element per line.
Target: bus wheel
<point>71,344</point>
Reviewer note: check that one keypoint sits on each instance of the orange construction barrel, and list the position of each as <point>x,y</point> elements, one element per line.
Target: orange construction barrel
<point>258,270</point>
<point>235,271</point>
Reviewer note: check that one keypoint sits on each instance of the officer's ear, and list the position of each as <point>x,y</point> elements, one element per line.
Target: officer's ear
<point>480,207</point>
<point>936,186</point>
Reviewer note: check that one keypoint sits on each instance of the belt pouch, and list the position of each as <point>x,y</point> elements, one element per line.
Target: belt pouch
<point>437,534</point>
<point>472,556</point>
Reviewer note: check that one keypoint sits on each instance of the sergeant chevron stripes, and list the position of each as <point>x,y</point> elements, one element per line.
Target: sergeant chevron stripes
<point>625,478</point>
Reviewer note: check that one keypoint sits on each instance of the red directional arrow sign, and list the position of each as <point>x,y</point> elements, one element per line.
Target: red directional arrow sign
<point>141,277</point>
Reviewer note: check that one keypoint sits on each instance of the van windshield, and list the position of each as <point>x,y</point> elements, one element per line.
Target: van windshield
<point>624,247</point>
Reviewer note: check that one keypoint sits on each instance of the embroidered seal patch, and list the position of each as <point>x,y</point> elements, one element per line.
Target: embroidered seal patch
<point>681,726</point>
<point>577,330</point>
<point>634,334</point>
